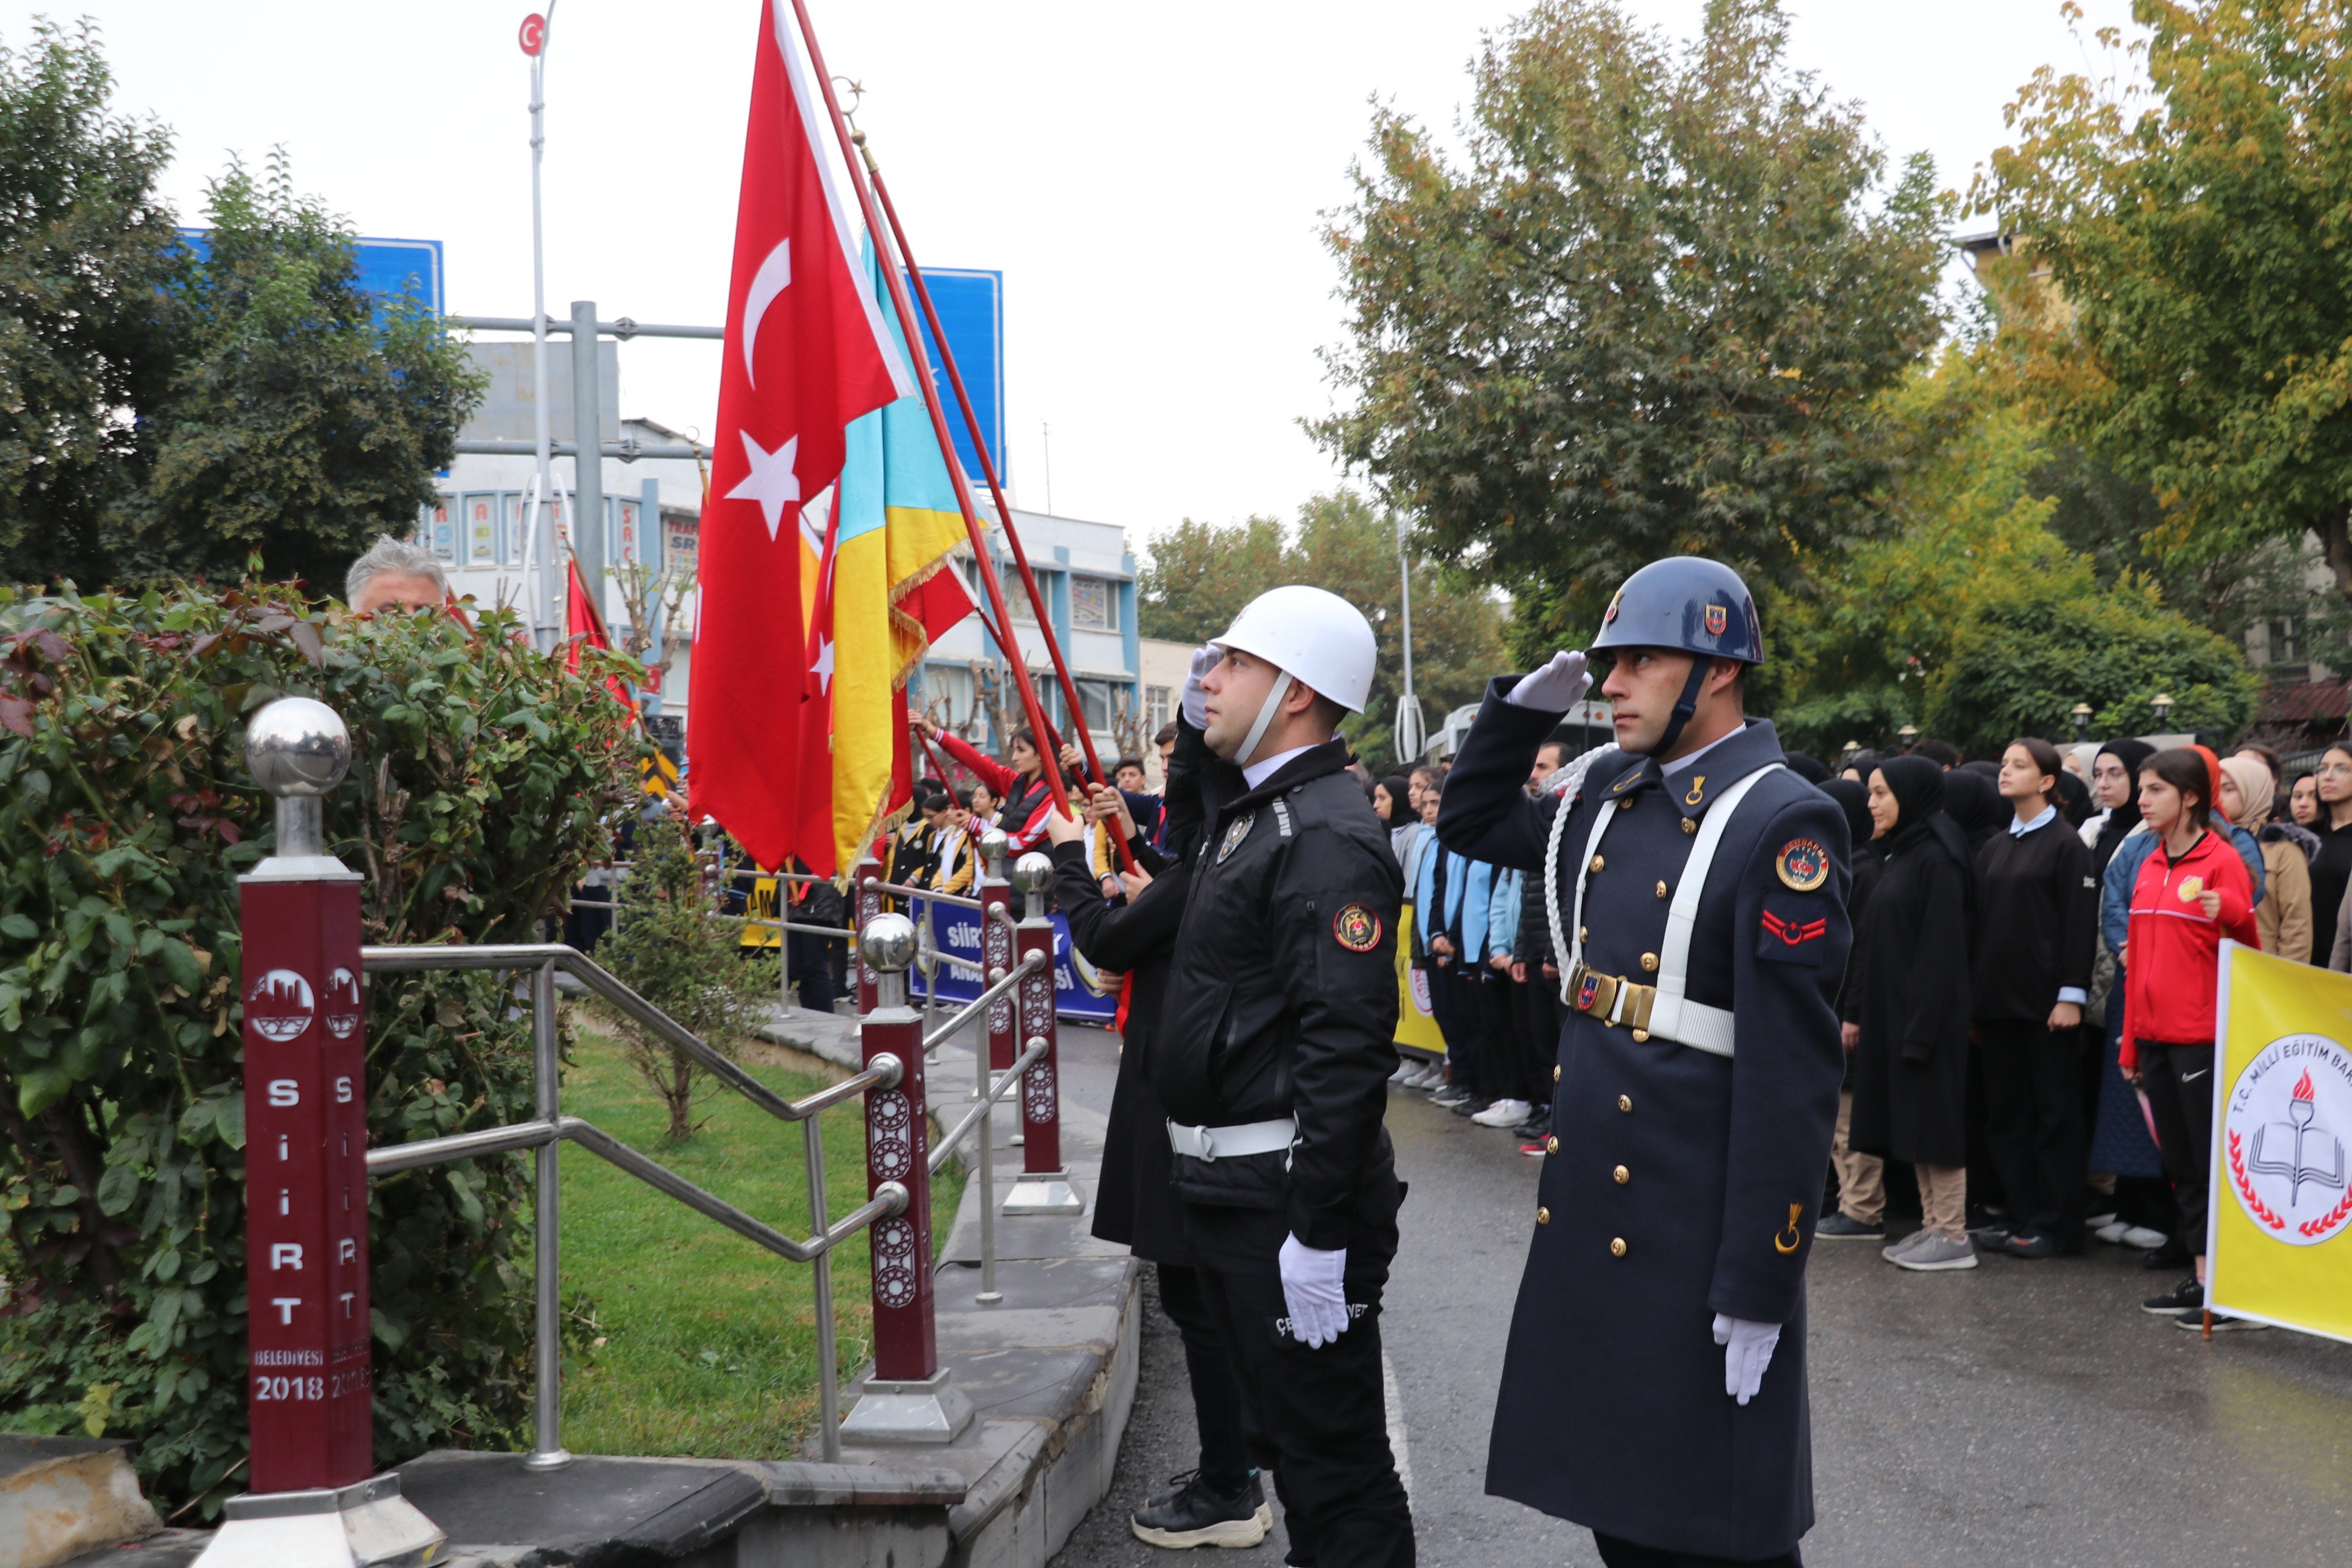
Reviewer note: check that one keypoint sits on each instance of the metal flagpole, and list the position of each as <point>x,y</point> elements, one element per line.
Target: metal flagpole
<point>996,491</point>
<point>906,313</point>
<point>1408,730</point>
<point>534,44</point>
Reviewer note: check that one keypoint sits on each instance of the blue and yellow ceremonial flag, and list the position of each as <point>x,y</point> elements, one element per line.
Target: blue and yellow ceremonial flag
<point>2279,1218</point>
<point>896,517</point>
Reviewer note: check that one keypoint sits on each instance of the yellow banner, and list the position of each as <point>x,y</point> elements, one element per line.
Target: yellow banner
<point>761,905</point>
<point>1416,1026</point>
<point>2279,1234</point>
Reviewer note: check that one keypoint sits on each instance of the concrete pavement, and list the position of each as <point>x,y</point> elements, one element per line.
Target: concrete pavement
<point>2015,1415</point>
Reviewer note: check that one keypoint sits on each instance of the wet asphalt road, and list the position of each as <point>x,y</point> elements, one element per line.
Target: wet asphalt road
<point>2017,1415</point>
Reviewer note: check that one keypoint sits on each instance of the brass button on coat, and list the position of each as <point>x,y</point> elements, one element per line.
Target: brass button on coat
<point>1551,1144</point>
<point>1617,1247</point>
<point>1640,1037</point>
<point>1584,934</point>
<point>1650,961</point>
<point>1621,1174</point>
<point>1661,890</point>
<point>1625,1102</point>
<point>1599,862</point>
<point>1555,1074</point>
<point>1689,826</point>
<point>1543,1216</point>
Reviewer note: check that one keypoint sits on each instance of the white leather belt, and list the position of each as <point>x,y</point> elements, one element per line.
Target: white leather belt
<point>1232,1143</point>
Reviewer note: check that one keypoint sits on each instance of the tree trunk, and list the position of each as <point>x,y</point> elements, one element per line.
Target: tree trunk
<point>679,1095</point>
<point>2336,542</point>
<point>85,1163</point>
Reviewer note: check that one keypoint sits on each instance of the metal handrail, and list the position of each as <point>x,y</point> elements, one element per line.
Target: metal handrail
<point>551,1127</point>
<point>1021,1064</point>
<point>970,1009</point>
<point>954,900</point>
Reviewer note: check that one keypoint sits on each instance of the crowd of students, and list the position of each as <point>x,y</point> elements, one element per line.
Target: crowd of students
<point>2028,1011</point>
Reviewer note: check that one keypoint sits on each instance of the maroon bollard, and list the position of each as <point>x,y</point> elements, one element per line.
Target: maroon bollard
<point>309,1386</point>
<point>996,949</point>
<point>908,1398</point>
<point>864,903</point>
<point>1043,1186</point>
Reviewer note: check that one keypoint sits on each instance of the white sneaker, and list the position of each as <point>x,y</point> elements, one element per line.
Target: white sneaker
<point>1504,1113</point>
<point>2099,1222</point>
<point>2146,1240</point>
<point>2113,1231</point>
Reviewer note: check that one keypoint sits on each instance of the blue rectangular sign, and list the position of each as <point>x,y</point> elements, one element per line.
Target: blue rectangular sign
<point>1076,996</point>
<point>971,302</point>
<point>383,268</point>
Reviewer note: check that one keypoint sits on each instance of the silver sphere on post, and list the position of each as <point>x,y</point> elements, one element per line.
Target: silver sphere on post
<point>298,751</point>
<point>298,746</point>
<point>888,946</point>
<point>1033,873</point>
<point>993,846</point>
<point>887,943</point>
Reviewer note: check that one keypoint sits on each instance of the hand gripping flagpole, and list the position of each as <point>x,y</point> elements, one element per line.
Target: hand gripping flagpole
<point>906,314</point>
<point>987,471</point>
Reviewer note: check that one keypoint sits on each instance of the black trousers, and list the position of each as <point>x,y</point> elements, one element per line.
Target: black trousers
<point>1619,1553</point>
<point>811,957</point>
<point>2033,1124</point>
<point>1536,1010</point>
<point>1217,1406</point>
<point>2179,1080</point>
<point>1321,1422</point>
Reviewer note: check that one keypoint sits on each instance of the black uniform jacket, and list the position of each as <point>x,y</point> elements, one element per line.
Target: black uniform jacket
<point>1133,1204</point>
<point>1681,1183</point>
<point>1282,999</point>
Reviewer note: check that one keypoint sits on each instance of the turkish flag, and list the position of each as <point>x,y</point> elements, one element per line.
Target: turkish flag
<point>583,625</point>
<point>806,353</point>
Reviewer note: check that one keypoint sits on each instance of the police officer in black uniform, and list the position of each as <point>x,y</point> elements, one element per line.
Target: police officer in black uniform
<point>1272,1057</point>
<point>1653,1388</point>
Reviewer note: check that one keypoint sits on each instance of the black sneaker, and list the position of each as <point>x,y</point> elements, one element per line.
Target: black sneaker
<point>2171,1255</point>
<point>2187,1297</point>
<point>1470,1105</point>
<point>1192,1515</point>
<point>2030,1244</point>
<point>2223,1323</point>
<point>1534,1130</point>
<point>1844,1227</point>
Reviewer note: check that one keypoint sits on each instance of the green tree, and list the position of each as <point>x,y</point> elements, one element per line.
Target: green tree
<point>1649,313</point>
<point>87,258</point>
<point>170,414</point>
<point>670,948</point>
<point>2198,334</point>
<point>1200,575</point>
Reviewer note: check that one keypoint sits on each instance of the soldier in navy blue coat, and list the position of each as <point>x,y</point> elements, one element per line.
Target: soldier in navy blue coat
<point>1653,1389</point>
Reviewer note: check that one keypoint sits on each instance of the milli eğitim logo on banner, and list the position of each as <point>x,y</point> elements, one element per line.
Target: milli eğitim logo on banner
<point>2283,1134</point>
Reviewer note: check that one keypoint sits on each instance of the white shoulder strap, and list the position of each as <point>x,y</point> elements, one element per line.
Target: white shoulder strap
<point>1565,783</point>
<point>1673,1015</point>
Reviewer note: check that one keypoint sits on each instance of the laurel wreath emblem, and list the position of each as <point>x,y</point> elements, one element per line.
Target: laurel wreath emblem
<point>2262,1210</point>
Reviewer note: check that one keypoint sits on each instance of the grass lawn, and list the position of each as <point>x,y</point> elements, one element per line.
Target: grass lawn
<point>709,1343</point>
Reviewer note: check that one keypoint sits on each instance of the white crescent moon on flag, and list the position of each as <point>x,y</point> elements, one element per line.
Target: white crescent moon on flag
<point>774,274</point>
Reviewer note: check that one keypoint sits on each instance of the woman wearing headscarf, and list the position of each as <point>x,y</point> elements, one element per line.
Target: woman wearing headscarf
<point>1911,1008</point>
<point>1861,1186</point>
<point>2331,873</point>
<point>2283,917</point>
<point>2074,798</point>
<point>1973,802</point>
<point>1391,804</point>
<point>2123,1162</point>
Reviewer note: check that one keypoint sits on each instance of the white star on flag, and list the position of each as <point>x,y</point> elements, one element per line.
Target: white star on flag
<point>823,667</point>
<point>772,482</point>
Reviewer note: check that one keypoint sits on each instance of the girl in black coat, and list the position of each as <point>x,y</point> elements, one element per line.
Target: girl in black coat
<point>1862,1187</point>
<point>2039,915</point>
<point>1911,1008</point>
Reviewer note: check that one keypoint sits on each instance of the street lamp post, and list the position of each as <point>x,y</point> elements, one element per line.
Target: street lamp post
<point>1411,730</point>
<point>1908,734</point>
<point>2161,706</point>
<point>537,534</point>
<point>2081,714</point>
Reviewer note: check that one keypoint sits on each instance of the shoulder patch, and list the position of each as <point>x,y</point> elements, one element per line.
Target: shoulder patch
<point>1792,934</point>
<point>1234,835</point>
<point>1356,928</point>
<point>1281,815</point>
<point>1802,864</point>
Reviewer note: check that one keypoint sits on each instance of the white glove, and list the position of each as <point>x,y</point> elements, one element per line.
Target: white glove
<point>1195,701</point>
<point>1556,687</point>
<point>1748,1351</point>
<point>1310,1287</point>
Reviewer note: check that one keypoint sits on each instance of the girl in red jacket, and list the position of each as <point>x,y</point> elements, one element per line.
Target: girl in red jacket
<point>2192,892</point>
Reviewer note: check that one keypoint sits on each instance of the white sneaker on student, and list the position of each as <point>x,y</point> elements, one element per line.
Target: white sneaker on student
<point>1504,1113</point>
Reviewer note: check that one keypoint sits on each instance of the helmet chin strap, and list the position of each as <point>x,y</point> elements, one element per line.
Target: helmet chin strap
<point>1267,711</point>
<point>1686,706</point>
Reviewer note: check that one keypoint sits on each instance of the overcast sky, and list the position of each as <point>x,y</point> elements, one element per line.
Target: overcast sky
<point>1149,178</point>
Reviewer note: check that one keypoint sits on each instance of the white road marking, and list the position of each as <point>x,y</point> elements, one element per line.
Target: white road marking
<point>1399,1439</point>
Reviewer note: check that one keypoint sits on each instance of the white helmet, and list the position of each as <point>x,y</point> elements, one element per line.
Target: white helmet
<point>1317,637</point>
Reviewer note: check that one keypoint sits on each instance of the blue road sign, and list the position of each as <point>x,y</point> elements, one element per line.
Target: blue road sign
<point>386,267</point>
<point>971,303</point>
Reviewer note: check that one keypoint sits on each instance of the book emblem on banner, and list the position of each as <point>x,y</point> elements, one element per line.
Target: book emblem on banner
<point>2283,1134</point>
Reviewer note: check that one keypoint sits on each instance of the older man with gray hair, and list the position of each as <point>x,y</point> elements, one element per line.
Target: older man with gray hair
<point>395,574</point>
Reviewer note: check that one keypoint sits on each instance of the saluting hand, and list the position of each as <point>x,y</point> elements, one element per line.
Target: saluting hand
<point>1556,687</point>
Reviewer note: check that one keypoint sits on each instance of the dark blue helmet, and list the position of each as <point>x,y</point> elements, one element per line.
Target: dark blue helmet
<point>1689,604</point>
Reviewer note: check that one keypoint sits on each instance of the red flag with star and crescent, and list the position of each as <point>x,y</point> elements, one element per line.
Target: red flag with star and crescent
<point>806,353</point>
